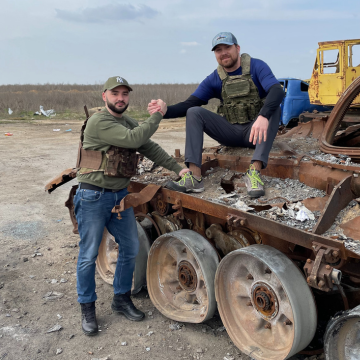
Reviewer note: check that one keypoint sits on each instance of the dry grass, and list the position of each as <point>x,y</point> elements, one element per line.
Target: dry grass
<point>67,99</point>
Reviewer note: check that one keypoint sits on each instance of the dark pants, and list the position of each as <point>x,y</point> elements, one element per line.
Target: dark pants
<point>200,121</point>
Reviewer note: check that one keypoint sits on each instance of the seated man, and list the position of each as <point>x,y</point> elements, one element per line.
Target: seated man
<point>244,117</point>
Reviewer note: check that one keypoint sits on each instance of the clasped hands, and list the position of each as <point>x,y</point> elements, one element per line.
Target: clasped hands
<point>157,105</point>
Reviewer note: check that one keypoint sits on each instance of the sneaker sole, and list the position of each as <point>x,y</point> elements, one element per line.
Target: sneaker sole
<point>127,316</point>
<point>173,187</point>
<point>256,194</point>
<point>195,190</point>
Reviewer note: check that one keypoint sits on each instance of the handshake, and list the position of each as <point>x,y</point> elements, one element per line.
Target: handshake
<point>157,106</point>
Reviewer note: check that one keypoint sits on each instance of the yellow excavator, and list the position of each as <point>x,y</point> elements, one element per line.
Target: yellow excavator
<point>337,65</point>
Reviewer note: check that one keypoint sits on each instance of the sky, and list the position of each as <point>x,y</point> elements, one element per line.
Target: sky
<point>162,41</point>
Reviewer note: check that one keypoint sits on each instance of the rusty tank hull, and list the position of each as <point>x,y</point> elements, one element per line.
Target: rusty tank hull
<point>275,278</point>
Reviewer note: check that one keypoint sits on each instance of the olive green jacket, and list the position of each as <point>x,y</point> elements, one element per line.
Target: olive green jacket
<point>103,130</point>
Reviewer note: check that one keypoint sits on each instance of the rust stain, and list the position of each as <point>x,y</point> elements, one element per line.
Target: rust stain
<point>315,204</point>
<point>352,228</point>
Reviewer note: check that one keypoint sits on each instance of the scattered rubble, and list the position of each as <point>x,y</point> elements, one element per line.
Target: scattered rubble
<point>353,245</point>
<point>331,159</point>
<point>175,326</point>
<point>53,295</point>
<point>146,165</point>
<point>55,328</point>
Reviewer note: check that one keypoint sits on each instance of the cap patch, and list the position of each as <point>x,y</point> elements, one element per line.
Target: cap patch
<point>220,37</point>
<point>119,79</point>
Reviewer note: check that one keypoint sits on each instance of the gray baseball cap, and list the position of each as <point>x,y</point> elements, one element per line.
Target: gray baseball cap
<point>224,38</point>
<point>115,81</point>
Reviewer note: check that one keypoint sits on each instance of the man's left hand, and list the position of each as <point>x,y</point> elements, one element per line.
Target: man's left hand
<point>183,172</point>
<point>259,130</point>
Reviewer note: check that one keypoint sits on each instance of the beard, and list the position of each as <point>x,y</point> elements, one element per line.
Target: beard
<point>113,108</point>
<point>230,64</point>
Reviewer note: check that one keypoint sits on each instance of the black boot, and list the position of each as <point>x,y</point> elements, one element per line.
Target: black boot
<point>122,304</point>
<point>88,319</point>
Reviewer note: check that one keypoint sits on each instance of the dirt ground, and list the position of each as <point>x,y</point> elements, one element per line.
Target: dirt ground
<point>34,222</point>
<point>38,262</point>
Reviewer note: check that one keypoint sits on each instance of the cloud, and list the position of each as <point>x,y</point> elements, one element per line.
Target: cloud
<point>190,43</point>
<point>275,10</point>
<point>182,51</point>
<point>108,12</point>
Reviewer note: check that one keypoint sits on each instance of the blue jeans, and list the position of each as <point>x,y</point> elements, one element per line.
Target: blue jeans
<point>93,214</point>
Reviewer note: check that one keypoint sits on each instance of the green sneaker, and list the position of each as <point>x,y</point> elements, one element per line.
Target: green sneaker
<point>188,183</point>
<point>253,182</point>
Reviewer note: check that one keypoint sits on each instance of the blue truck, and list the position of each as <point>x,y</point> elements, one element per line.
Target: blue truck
<point>296,100</point>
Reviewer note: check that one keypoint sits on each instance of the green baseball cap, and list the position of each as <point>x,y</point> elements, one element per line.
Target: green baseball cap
<point>115,81</point>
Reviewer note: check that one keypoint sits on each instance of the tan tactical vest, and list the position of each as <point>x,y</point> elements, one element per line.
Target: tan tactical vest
<point>241,102</point>
<point>116,162</point>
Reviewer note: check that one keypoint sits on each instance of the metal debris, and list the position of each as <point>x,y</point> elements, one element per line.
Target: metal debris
<point>53,295</point>
<point>242,206</point>
<point>175,326</point>
<point>56,327</point>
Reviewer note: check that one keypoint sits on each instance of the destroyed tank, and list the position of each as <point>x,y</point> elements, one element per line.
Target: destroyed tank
<point>283,270</point>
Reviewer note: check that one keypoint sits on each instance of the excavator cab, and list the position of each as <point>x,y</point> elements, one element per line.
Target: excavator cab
<point>337,65</point>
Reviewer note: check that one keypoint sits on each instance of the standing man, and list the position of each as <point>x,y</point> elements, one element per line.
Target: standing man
<point>244,117</point>
<point>107,159</point>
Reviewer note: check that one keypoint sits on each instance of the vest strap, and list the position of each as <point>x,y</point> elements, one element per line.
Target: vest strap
<point>245,63</point>
<point>222,73</point>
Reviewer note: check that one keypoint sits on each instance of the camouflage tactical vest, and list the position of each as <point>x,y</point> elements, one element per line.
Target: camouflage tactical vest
<point>116,162</point>
<point>241,102</point>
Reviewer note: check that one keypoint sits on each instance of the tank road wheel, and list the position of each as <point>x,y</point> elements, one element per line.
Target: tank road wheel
<point>342,336</point>
<point>108,255</point>
<point>265,303</point>
<point>180,276</point>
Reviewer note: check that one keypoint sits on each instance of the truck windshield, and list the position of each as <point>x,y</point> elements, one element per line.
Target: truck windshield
<point>330,61</point>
